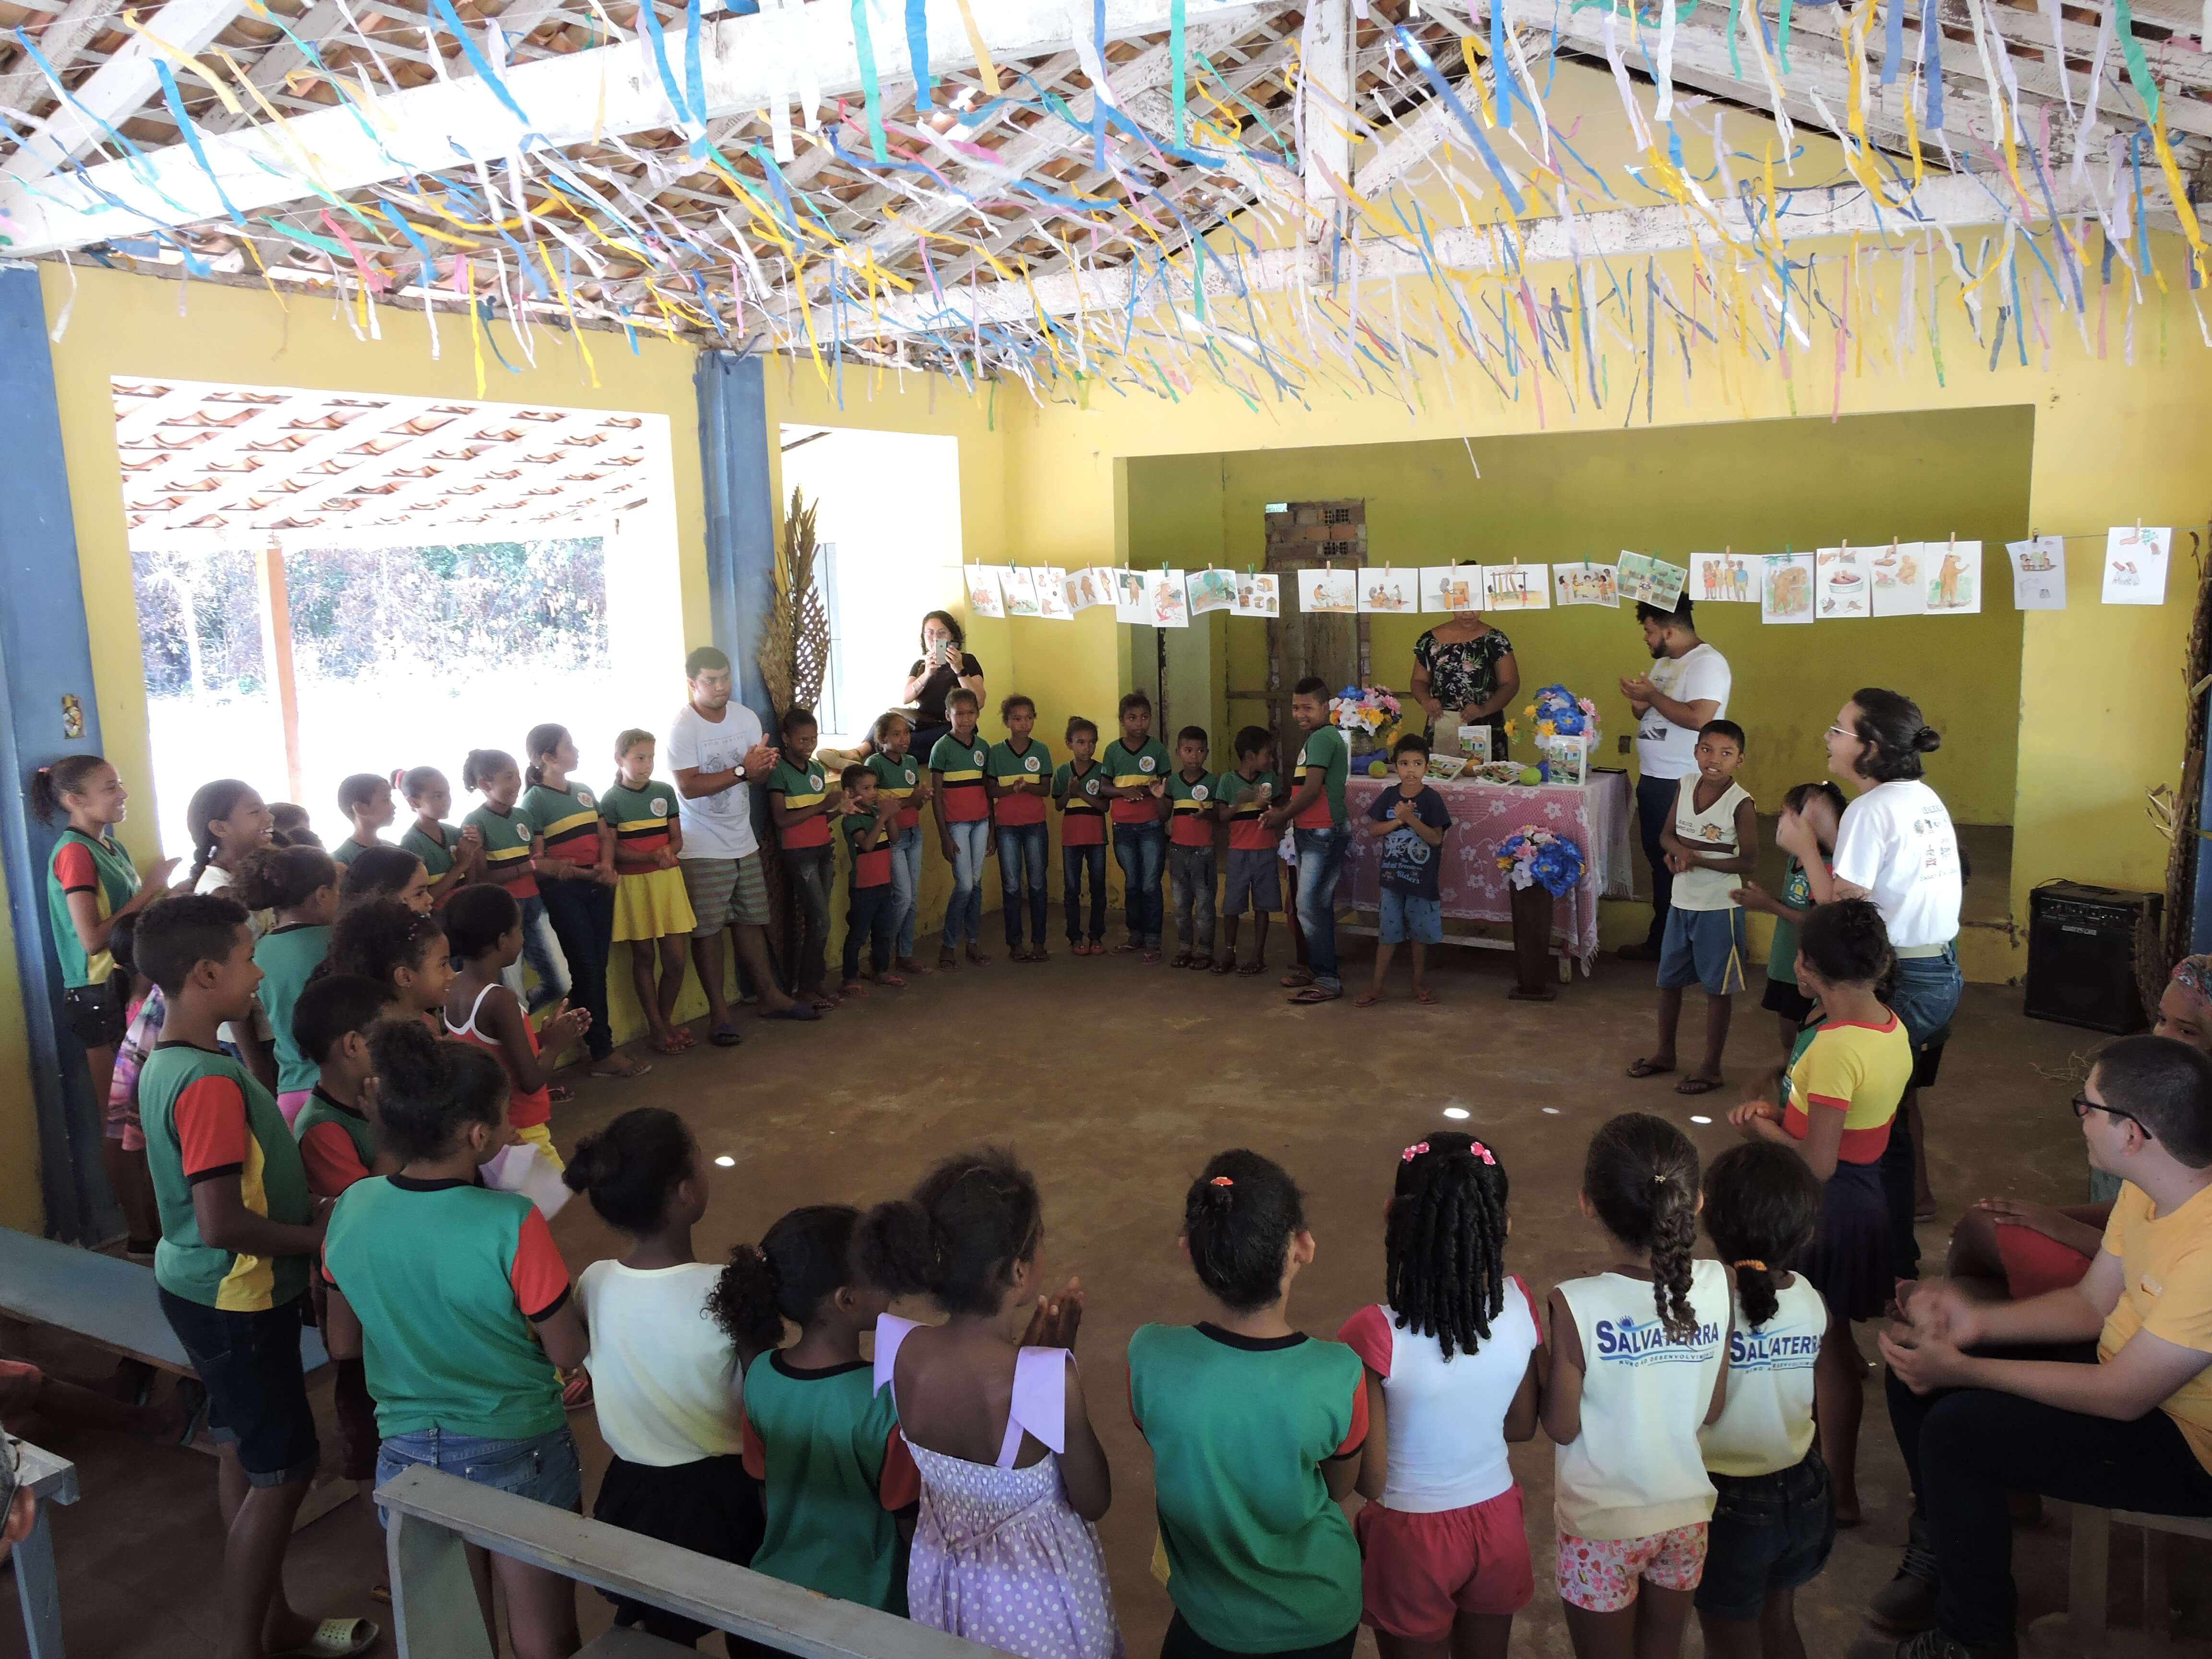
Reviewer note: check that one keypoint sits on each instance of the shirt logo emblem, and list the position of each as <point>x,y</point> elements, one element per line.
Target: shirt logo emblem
<point>978,755</point>
<point>1031,762</point>
<point>1198,792</point>
<point>659,808</point>
<point>583,797</point>
<point>1144,763</point>
<point>1091,788</point>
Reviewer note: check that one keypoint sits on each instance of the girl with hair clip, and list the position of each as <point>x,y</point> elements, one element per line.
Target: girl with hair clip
<point>663,1372</point>
<point>456,1298</point>
<point>576,872</point>
<point>384,940</point>
<point>1835,1105</point>
<point>840,1485</point>
<point>390,872</point>
<point>1639,1365</point>
<point>1013,1478</point>
<point>1255,1431</point>
<point>451,854</point>
<point>512,845</point>
<point>1774,1521</point>
<point>1452,1361</point>
<point>299,886</point>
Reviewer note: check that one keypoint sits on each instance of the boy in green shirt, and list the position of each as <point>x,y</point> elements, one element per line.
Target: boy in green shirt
<point>366,799</point>
<point>1018,775</point>
<point>1314,811</point>
<point>800,799</point>
<point>1136,783</point>
<point>1190,799</point>
<point>1255,872</point>
<point>869,824</point>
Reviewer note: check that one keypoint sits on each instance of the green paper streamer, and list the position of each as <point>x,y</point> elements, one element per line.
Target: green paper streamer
<point>1735,63</point>
<point>872,92</point>
<point>1178,70</point>
<point>1782,38</point>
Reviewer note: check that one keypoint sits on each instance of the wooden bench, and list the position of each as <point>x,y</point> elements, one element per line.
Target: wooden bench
<point>37,1586</point>
<point>431,1516</point>
<point>2083,1632</point>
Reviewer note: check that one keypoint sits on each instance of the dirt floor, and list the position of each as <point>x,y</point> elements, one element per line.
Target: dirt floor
<point>856,1109</point>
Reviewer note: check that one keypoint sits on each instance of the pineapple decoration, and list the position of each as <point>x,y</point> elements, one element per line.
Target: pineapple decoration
<point>795,634</point>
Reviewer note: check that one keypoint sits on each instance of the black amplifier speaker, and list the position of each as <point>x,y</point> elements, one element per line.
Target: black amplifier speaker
<point>2082,942</point>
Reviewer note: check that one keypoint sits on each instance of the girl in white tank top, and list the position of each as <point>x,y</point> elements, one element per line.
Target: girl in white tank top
<point>1639,1366</point>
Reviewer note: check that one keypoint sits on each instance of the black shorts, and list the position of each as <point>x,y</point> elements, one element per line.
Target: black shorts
<point>96,1012</point>
<point>1184,1642</point>
<point>712,1506</point>
<point>1926,1064</point>
<point>1783,998</point>
<point>1769,1532</point>
<point>257,1394</point>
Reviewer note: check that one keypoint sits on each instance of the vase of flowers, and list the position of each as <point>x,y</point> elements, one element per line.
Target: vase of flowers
<point>1369,720</point>
<point>1558,712</point>
<point>1541,868</point>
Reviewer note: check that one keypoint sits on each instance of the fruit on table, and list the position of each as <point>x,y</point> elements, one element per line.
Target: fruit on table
<point>1376,770</point>
<point>1531,774</point>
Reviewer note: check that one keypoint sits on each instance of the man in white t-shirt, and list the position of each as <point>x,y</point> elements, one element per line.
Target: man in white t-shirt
<point>1687,686</point>
<point>715,748</point>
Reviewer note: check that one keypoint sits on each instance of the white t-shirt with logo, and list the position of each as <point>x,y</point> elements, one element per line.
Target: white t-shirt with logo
<point>1896,840</point>
<point>1701,674</point>
<point>1636,1468</point>
<point>665,1375</point>
<point>716,826</point>
<point>1767,1423</point>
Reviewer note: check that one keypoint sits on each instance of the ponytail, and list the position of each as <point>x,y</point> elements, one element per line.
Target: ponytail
<point>66,776</point>
<point>480,766</point>
<point>801,1262</point>
<point>1762,1203</point>
<point>280,878</point>
<point>211,803</point>
<point>958,1238</point>
<point>542,741</point>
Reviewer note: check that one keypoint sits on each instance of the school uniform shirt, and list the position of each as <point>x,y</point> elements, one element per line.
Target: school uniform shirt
<point>1796,896</point>
<point>1132,768</point>
<point>663,1375</point>
<point>899,778</point>
<point>1261,1559</point>
<point>1863,1069</point>
<point>437,855</point>
<point>1701,674</point>
<point>1247,834</point>
<point>1410,864</point>
<point>872,855</point>
<point>1636,1468</point>
<point>288,958</point>
<point>716,826</point>
<point>337,1143</point>
<point>1896,842</point>
<point>641,817</point>
<point>1190,809</point>
<point>1447,1417</point>
<point>568,819</point>
<point>506,848</point>
<point>206,1117</point>
<point>1324,751</point>
<point>801,787</point>
<point>835,1472</point>
<point>1082,821</point>
<point>961,764</point>
<point>1711,830</point>
<point>101,867</point>
<point>1766,1424</point>
<point>2166,1290</point>
<point>1006,764</point>
<point>447,1278</point>
<point>349,849</point>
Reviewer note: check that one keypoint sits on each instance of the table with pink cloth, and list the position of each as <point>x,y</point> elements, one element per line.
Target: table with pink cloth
<point>1594,816</point>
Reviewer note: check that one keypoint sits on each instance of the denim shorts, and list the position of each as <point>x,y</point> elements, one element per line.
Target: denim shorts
<point>1702,947</point>
<point>1769,1532</point>
<point>545,1467</point>
<point>1409,916</point>
<point>1254,882</point>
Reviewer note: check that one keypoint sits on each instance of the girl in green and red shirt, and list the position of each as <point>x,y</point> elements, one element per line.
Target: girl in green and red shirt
<point>652,912</point>
<point>575,860</point>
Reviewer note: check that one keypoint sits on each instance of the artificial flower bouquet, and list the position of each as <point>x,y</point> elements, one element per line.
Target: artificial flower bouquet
<point>1533,856</point>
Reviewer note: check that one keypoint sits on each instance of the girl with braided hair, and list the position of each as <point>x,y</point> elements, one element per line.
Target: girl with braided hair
<point>1638,1365</point>
<point>663,1370</point>
<point>1451,1375</point>
<point>840,1485</point>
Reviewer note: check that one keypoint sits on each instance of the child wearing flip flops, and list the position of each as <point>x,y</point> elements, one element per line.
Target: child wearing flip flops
<point>652,912</point>
<point>1254,872</point>
<point>1018,775</point>
<point>868,821</point>
<point>1190,796</point>
<point>1410,822</point>
<point>1079,787</point>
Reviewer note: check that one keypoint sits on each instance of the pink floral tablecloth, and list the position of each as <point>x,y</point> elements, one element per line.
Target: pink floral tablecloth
<point>1593,816</point>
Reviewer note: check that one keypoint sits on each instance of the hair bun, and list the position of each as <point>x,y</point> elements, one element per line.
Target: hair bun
<point>1927,740</point>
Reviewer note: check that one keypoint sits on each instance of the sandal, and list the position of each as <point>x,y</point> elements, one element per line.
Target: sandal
<point>630,1068</point>
<point>1151,955</point>
<point>1126,947</point>
<point>1422,993</point>
<point>1314,993</point>
<point>559,1094</point>
<point>336,1638</point>
<point>1246,970</point>
<point>1040,954</point>
<point>670,1044</point>
<point>1180,959</point>
<point>1365,999</point>
<point>1297,977</point>
<point>977,957</point>
<point>725,1035</point>
<point>891,980</point>
<point>1694,1084</point>
<point>854,988</point>
<point>946,962</point>
<point>1226,965</point>
<point>1650,1068</point>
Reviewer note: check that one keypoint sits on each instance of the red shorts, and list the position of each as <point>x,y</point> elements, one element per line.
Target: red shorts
<point>2034,1263</point>
<point>1419,1571</point>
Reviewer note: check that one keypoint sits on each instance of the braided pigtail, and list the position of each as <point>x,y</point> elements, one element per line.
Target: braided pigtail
<point>1641,1177</point>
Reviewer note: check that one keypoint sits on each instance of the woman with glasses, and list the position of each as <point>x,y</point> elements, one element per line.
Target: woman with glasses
<point>1896,848</point>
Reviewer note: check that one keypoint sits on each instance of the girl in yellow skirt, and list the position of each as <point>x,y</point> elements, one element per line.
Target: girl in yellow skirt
<point>652,910</point>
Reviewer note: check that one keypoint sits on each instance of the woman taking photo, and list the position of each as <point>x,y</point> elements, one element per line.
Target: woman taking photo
<point>943,667</point>
<point>1464,675</point>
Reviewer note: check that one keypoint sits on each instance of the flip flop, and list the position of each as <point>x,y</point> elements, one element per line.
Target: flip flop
<point>559,1094</point>
<point>1697,1085</point>
<point>1365,999</point>
<point>1314,993</point>
<point>800,1012</point>
<point>854,987</point>
<point>1040,955</point>
<point>336,1638</point>
<point>725,1036</point>
<point>1180,959</point>
<point>669,1045</point>
<point>1248,970</point>
<point>637,1068</point>
<point>1127,947</point>
<point>891,980</point>
<point>1297,977</point>
<point>946,962</point>
<point>1646,1068</point>
<point>1151,955</point>
<point>1228,966</point>
<point>1422,993</point>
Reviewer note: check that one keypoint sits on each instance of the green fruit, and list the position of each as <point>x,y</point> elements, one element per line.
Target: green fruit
<point>1376,770</point>
<point>1531,774</point>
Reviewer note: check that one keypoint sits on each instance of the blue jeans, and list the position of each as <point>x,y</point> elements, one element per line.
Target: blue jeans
<point>1320,861</point>
<point>541,949</point>
<point>1076,863</point>
<point>1655,811</point>
<point>963,916</point>
<point>906,888</point>
<point>1924,995</point>
<point>1141,850</point>
<point>1191,873</point>
<point>1022,851</point>
<point>545,1467</point>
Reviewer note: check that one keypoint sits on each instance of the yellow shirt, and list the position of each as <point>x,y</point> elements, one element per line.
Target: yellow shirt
<point>2166,1266</point>
<point>1862,1069</point>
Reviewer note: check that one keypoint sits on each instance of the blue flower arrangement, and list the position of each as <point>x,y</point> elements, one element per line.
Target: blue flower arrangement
<point>1532,856</point>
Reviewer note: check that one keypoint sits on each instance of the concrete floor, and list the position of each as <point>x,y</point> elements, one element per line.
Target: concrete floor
<point>1005,1054</point>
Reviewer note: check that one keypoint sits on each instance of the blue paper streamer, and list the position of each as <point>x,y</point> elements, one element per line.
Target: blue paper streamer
<point>694,78</point>
<point>917,51</point>
<point>650,17</point>
<point>1893,41</point>
<point>1931,37</point>
<point>872,92</point>
<point>1442,89</point>
<point>1500,75</point>
<point>483,66</point>
<point>176,103</point>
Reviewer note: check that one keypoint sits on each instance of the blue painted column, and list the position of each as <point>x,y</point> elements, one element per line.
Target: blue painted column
<point>45,674</point>
<point>734,435</point>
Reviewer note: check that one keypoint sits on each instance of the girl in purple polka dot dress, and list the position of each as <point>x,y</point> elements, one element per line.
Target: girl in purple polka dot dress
<point>1012,1474</point>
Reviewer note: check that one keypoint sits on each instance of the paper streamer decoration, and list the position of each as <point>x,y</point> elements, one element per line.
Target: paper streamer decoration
<point>1212,590</point>
<point>1389,591</point>
<point>1846,583</point>
<point>1585,584</point>
<point>1451,588</point>
<point>1329,592</point>
<point>983,600</point>
<point>1018,589</point>
<point>1516,587</point>
<point>1091,586</point>
<point>1900,579</point>
<point>1052,593</point>
<point>1258,594</point>
<point>1163,599</point>
<point>2134,565</point>
<point>1954,574</point>
<point>1724,578</point>
<point>1129,604</point>
<point>1785,593</point>
<point>2039,573</point>
<point>1651,581</point>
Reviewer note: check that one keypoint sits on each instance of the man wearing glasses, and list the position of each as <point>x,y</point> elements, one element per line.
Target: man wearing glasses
<point>2099,1394</point>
